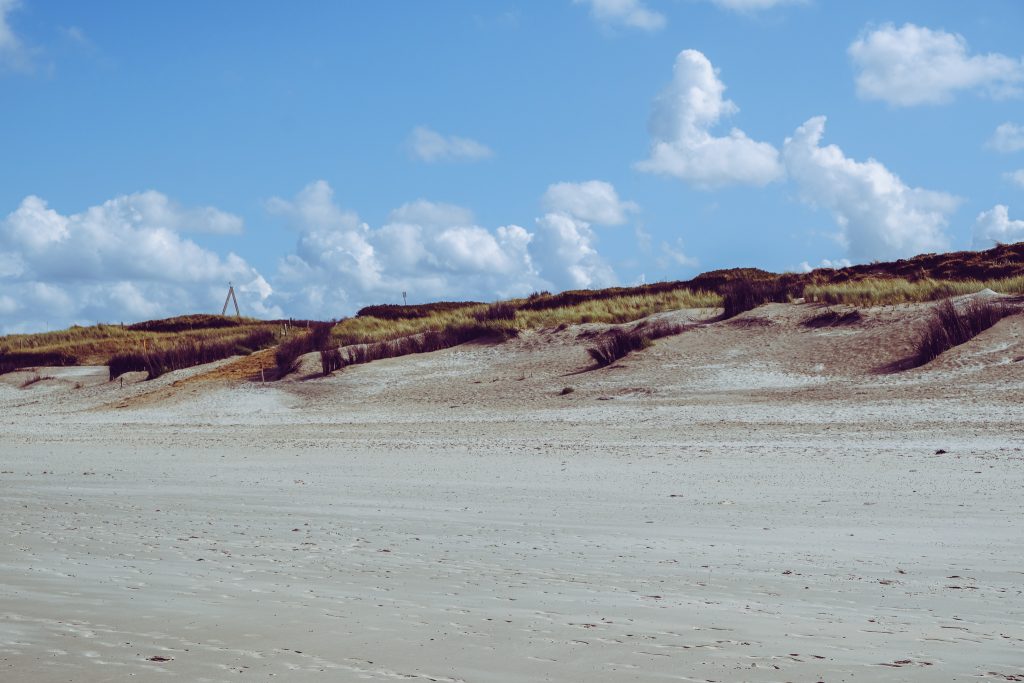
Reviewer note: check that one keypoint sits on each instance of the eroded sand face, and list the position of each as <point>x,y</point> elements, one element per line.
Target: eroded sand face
<point>451,517</point>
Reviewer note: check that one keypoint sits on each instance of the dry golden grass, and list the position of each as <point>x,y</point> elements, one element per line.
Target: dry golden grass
<point>620,309</point>
<point>95,344</point>
<point>884,292</point>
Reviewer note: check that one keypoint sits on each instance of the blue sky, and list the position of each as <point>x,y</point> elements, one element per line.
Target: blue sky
<point>327,155</point>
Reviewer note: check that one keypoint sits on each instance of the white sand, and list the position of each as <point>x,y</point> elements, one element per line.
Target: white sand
<point>739,503</point>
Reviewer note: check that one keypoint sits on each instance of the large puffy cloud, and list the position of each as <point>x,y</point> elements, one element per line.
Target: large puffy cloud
<point>122,260</point>
<point>914,65</point>
<point>1008,137</point>
<point>594,201</point>
<point>436,251</point>
<point>682,143</point>
<point>631,13</point>
<point>567,255</point>
<point>879,216</point>
<point>430,250</point>
<point>430,146</point>
<point>994,226</point>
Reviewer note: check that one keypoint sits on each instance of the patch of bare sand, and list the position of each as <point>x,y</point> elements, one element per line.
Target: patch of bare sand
<point>745,501</point>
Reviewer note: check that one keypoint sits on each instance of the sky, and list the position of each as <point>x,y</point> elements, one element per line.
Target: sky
<point>322,156</point>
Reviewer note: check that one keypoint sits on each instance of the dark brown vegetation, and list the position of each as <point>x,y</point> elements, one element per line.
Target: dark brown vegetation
<point>833,318</point>
<point>286,356</point>
<point>33,380</point>
<point>619,343</point>
<point>424,342</point>
<point>399,312</point>
<point>502,310</point>
<point>156,362</point>
<point>182,323</point>
<point>950,326</point>
<point>13,360</point>
<point>745,294</point>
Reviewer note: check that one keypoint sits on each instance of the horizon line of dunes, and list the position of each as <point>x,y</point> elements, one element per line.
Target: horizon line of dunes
<point>159,346</point>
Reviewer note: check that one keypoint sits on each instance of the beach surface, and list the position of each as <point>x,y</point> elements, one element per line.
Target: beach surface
<point>751,500</point>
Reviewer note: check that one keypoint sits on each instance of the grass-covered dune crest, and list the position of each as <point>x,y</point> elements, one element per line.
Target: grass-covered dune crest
<point>388,330</point>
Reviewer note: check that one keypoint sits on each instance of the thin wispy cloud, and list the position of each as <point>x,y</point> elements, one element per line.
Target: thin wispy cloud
<point>14,55</point>
<point>754,5</point>
<point>627,13</point>
<point>430,146</point>
<point>1008,137</point>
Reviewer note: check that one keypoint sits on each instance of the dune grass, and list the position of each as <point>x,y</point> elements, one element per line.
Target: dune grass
<point>885,292</point>
<point>158,361</point>
<point>951,326</point>
<point>619,343</point>
<point>833,318</point>
<point>745,295</point>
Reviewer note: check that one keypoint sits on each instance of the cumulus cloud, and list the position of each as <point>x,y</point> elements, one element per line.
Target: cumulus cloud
<point>1015,177</point>
<point>914,65</point>
<point>879,216</point>
<point>1008,137</point>
<point>13,53</point>
<point>431,250</point>
<point>430,146</point>
<point>594,201</point>
<point>434,250</point>
<point>630,13</point>
<point>682,143</point>
<point>567,255</point>
<point>122,260</point>
<point>994,226</point>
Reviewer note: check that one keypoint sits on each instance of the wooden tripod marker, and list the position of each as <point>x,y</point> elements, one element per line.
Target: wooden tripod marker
<point>231,298</point>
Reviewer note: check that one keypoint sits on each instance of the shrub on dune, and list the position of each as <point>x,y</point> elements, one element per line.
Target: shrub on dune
<point>619,343</point>
<point>951,327</point>
<point>745,295</point>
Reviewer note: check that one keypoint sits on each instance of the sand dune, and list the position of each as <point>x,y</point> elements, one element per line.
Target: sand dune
<point>751,500</point>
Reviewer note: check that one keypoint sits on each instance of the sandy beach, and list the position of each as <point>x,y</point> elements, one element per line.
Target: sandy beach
<point>751,500</point>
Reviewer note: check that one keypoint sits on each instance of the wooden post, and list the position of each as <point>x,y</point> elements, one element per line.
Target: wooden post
<point>263,379</point>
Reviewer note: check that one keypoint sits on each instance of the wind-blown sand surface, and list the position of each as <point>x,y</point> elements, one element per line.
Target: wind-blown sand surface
<point>748,501</point>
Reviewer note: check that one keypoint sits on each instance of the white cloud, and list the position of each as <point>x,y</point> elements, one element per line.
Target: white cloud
<point>431,250</point>
<point>13,53</point>
<point>682,144</point>
<point>430,146</point>
<point>567,256</point>
<point>122,260</point>
<point>1008,137</point>
<point>631,13</point>
<point>806,267</point>
<point>1015,177</point>
<point>673,254</point>
<point>434,214</point>
<point>437,251</point>
<point>915,65</point>
<point>594,201</point>
<point>994,226</point>
<point>879,216</point>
